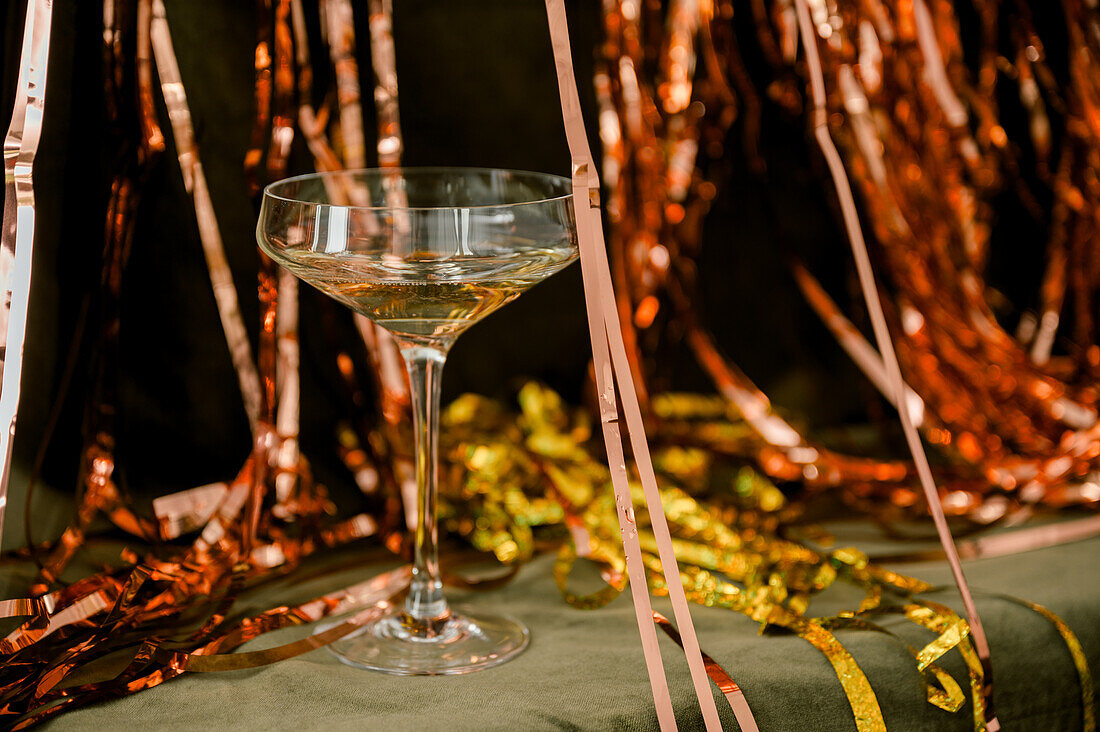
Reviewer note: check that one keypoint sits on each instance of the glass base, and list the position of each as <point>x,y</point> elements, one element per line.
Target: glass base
<point>463,643</point>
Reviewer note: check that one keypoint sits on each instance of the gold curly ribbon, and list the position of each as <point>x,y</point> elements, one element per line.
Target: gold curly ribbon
<point>731,556</point>
<point>526,483</point>
<point>516,486</point>
<point>1080,661</point>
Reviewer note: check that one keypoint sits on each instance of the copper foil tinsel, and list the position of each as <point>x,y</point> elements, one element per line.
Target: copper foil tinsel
<point>17,234</point>
<point>1014,416</point>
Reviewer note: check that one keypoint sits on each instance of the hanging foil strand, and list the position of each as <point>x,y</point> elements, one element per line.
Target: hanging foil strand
<point>613,368</point>
<point>519,483</point>
<point>17,235</point>
<point>387,366</point>
<point>194,180</point>
<point>886,348</point>
<point>384,62</point>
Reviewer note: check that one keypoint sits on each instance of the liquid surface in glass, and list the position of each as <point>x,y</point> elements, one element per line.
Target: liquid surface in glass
<point>425,297</point>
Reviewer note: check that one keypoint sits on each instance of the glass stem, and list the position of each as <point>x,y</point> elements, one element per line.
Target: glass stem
<point>425,607</point>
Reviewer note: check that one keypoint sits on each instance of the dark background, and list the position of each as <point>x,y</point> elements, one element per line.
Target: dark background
<point>477,87</point>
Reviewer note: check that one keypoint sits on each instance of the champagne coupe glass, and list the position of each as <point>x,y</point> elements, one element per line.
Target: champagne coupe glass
<point>424,253</point>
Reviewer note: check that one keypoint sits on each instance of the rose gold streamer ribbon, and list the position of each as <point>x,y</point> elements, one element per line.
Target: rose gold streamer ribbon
<point>384,62</point>
<point>862,353</point>
<point>340,33</point>
<point>559,34</point>
<point>886,347</point>
<point>22,606</point>
<point>17,235</point>
<point>81,609</point>
<point>187,510</point>
<point>385,360</point>
<point>376,593</point>
<point>611,368</point>
<point>197,662</point>
<point>380,345</point>
<point>221,278</point>
<point>389,147</point>
<point>288,385</point>
<point>387,363</point>
<point>1036,537</point>
<point>721,679</point>
<point>1013,542</point>
<point>934,73</point>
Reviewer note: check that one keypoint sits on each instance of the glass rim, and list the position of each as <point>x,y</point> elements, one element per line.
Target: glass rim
<point>270,190</point>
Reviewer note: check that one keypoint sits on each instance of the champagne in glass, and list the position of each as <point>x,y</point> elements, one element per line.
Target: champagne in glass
<point>468,242</point>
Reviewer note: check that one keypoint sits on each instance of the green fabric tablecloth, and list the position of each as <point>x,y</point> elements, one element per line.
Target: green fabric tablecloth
<point>585,670</point>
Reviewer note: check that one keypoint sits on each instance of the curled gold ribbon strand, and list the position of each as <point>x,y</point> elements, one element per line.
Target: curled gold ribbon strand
<point>1080,661</point>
